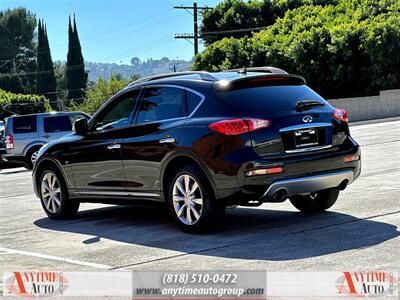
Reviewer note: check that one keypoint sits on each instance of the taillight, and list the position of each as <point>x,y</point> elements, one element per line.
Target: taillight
<point>9,141</point>
<point>340,115</point>
<point>238,126</point>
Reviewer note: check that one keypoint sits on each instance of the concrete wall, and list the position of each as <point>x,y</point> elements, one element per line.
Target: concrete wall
<point>386,105</point>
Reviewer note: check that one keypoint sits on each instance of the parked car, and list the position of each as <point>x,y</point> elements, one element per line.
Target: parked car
<point>2,146</point>
<point>202,141</point>
<point>24,135</point>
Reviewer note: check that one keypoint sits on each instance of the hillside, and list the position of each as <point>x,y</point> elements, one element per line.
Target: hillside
<point>141,68</point>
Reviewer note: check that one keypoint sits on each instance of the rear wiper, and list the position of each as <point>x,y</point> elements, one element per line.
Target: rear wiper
<point>307,104</point>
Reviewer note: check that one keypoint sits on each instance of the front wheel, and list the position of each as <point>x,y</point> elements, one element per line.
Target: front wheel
<point>192,202</point>
<point>315,202</point>
<point>54,195</point>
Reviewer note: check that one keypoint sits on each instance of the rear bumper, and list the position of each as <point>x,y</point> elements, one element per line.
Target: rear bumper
<point>310,184</point>
<point>305,173</point>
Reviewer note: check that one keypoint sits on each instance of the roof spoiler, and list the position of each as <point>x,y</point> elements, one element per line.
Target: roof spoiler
<point>269,79</point>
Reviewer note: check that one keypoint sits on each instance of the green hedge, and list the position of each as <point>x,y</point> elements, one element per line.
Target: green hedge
<point>21,104</point>
<point>344,50</point>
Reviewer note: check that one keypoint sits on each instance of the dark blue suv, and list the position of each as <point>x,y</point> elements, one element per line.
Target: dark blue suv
<point>201,141</point>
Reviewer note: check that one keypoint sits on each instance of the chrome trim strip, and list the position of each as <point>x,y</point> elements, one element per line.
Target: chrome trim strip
<point>303,126</point>
<point>137,194</point>
<point>307,125</point>
<point>116,193</point>
<point>158,121</point>
<point>309,184</point>
<point>309,149</point>
<point>103,193</point>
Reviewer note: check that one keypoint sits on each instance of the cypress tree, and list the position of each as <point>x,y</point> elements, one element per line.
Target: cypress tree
<point>45,77</point>
<point>76,74</point>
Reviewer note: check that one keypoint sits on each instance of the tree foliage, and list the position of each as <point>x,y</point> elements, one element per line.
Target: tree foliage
<point>45,77</point>
<point>17,50</point>
<point>20,104</point>
<point>343,50</point>
<point>101,91</point>
<point>76,74</point>
<point>229,16</point>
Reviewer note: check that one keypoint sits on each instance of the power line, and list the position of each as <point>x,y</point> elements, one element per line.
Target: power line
<point>84,44</point>
<point>203,34</point>
<point>141,49</point>
<point>117,28</point>
<point>195,35</point>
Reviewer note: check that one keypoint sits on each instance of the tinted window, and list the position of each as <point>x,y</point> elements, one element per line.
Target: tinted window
<point>270,98</point>
<point>117,114</point>
<point>161,104</point>
<point>57,124</point>
<point>24,124</point>
<point>193,101</point>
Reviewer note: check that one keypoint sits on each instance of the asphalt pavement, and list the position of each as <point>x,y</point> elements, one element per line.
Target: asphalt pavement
<point>361,232</point>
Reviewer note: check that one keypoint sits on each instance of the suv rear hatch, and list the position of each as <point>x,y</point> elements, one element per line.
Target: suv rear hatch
<point>301,121</point>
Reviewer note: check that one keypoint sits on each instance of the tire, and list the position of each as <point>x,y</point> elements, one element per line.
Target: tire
<point>315,202</point>
<point>30,157</point>
<point>205,213</point>
<point>64,208</point>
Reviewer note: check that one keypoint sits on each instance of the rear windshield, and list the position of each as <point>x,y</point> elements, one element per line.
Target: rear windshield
<point>268,98</point>
<point>24,124</point>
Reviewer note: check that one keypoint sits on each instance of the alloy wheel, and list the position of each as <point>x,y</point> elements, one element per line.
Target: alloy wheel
<point>187,199</point>
<point>51,192</point>
<point>34,157</point>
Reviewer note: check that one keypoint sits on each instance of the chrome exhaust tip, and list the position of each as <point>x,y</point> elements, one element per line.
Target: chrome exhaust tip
<point>279,196</point>
<point>342,186</point>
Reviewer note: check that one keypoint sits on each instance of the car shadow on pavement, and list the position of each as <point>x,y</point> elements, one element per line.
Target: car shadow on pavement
<point>247,233</point>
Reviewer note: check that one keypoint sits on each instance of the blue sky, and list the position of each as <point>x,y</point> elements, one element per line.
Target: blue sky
<point>116,30</point>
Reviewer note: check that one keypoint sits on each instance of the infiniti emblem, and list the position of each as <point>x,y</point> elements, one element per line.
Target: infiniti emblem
<point>307,119</point>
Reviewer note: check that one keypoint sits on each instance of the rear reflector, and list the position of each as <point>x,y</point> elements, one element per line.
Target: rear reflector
<point>264,171</point>
<point>340,115</point>
<point>238,126</point>
<point>351,158</point>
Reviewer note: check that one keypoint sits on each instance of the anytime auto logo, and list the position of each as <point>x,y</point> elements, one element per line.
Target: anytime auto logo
<point>36,283</point>
<point>367,284</point>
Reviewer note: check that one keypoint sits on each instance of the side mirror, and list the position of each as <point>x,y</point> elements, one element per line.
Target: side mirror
<point>81,126</point>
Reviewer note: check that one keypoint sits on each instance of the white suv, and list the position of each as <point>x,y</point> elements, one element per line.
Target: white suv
<point>25,135</point>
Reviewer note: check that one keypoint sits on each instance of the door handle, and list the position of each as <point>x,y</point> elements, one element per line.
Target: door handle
<point>114,146</point>
<point>167,140</point>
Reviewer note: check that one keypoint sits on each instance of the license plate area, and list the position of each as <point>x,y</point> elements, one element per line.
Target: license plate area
<point>305,137</point>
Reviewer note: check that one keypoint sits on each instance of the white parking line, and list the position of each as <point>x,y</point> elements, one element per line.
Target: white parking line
<point>56,258</point>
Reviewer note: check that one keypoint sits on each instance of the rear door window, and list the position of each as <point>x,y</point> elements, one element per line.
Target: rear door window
<point>57,124</point>
<point>25,124</point>
<point>161,103</point>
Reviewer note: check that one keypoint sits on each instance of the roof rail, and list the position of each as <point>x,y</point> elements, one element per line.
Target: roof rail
<point>259,69</point>
<point>203,76</point>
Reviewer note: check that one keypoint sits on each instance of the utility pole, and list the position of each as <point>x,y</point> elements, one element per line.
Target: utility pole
<point>195,30</point>
<point>195,35</point>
